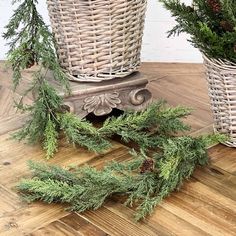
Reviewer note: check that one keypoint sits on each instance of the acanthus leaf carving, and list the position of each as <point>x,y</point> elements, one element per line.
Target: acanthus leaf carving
<point>101,104</point>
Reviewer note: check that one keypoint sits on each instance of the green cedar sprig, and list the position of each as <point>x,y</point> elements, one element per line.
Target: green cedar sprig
<point>145,128</point>
<point>144,185</point>
<point>145,181</point>
<point>83,133</point>
<point>31,42</point>
<point>211,25</point>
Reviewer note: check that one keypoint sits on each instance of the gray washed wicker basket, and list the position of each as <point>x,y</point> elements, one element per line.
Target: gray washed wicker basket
<point>98,39</point>
<point>221,77</point>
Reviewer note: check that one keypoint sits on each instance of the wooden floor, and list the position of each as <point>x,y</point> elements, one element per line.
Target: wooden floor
<point>205,205</point>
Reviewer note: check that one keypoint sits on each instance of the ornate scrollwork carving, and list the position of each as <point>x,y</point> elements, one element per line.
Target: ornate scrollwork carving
<point>139,96</point>
<point>101,104</point>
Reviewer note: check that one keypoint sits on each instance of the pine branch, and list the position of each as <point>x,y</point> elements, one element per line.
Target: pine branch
<point>211,25</point>
<point>47,121</point>
<point>135,121</point>
<point>42,113</point>
<point>136,126</point>
<point>32,43</point>
<point>87,188</point>
<point>50,138</point>
<point>81,132</point>
<point>44,171</point>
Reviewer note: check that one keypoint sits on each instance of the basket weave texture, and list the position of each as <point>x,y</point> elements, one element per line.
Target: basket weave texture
<point>221,77</point>
<point>98,39</point>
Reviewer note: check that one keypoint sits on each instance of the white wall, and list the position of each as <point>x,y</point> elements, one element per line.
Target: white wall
<point>156,45</point>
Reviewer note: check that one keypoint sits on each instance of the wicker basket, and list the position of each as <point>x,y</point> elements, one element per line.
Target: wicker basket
<point>98,39</point>
<point>221,76</point>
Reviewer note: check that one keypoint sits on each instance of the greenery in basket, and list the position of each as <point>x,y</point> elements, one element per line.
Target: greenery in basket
<point>145,179</point>
<point>210,23</point>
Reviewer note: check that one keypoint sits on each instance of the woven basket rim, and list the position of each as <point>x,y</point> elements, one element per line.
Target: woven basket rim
<point>98,40</point>
<point>222,64</point>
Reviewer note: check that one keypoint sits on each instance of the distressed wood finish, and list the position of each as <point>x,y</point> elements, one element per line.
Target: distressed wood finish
<point>205,205</point>
<point>129,93</point>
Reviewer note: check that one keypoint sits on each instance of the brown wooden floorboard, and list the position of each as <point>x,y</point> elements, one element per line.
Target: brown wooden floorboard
<point>205,205</point>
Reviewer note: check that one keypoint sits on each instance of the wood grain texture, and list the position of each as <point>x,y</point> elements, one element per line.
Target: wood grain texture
<point>82,225</point>
<point>205,205</point>
<point>56,228</point>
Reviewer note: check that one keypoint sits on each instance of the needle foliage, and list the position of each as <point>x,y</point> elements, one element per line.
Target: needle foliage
<point>31,42</point>
<point>211,25</point>
<point>145,181</point>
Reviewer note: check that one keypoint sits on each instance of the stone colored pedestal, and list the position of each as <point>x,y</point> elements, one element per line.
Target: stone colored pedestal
<point>129,93</point>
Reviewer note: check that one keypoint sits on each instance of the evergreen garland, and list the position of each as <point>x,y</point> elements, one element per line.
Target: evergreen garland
<point>210,23</point>
<point>145,181</point>
<point>31,42</point>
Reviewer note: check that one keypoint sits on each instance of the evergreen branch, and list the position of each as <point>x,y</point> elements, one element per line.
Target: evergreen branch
<point>81,132</point>
<point>158,118</point>
<point>50,138</point>
<point>32,43</point>
<point>41,112</point>
<point>44,171</point>
<point>87,188</point>
<point>134,121</point>
<point>211,25</point>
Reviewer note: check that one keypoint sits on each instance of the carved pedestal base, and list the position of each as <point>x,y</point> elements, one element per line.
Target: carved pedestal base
<point>129,93</point>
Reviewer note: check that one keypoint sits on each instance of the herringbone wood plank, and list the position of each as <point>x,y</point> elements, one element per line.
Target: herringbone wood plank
<point>205,204</point>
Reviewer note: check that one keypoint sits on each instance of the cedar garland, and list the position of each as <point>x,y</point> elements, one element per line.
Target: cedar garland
<point>145,180</point>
